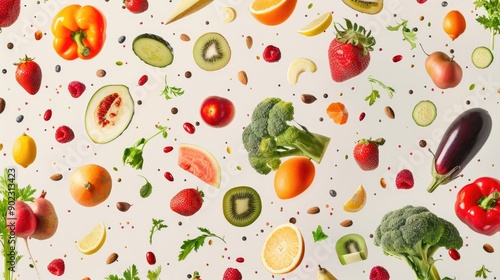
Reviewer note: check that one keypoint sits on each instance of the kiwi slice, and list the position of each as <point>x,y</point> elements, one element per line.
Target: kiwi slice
<point>368,7</point>
<point>241,206</point>
<point>351,248</point>
<point>211,51</point>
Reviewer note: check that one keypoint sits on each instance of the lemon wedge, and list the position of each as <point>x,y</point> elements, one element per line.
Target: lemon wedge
<point>93,241</point>
<point>357,201</point>
<point>318,25</point>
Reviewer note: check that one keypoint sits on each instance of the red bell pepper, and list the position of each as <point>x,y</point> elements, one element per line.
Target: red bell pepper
<point>478,205</point>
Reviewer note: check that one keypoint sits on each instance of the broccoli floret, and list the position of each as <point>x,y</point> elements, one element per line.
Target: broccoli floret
<point>414,234</point>
<point>270,136</point>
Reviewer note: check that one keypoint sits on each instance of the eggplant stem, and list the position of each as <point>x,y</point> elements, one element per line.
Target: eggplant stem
<point>440,179</point>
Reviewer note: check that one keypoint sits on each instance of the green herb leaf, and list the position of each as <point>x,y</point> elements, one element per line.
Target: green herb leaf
<point>374,95</point>
<point>482,272</point>
<point>490,21</point>
<point>131,273</point>
<point>133,155</point>
<point>154,274</point>
<point>112,277</point>
<point>408,35</point>
<point>195,243</point>
<point>147,189</point>
<point>169,91</point>
<point>157,226</point>
<point>319,235</point>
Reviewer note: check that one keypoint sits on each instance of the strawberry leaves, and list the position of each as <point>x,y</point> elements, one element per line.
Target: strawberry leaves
<point>195,243</point>
<point>356,35</point>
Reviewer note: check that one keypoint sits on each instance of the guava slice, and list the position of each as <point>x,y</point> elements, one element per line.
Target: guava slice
<point>108,113</point>
<point>200,163</point>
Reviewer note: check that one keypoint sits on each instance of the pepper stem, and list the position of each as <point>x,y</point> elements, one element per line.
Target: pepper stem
<point>78,37</point>
<point>490,201</point>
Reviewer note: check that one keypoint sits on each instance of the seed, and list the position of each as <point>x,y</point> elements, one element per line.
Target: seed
<point>19,118</point>
<point>10,45</point>
<point>397,58</point>
<point>249,41</point>
<point>2,105</point>
<point>185,37</point>
<point>454,254</point>
<point>293,220</point>
<point>121,39</point>
<point>382,183</point>
<point>488,248</point>
<point>174,110</point>
<point>240,259</point>
<point>142,80</point>
<point>47,115</point>
<point>188,74</point>
<point>58,68</point>
<point>242,77</point>
<point>56,177</point>
<point>38,35</point>
<point>123,206</point>
<point>308,98</point>
<point>188,127</point>
<point>333,193</point>
<point>168,149</point>
<point>346,223</point>
<point>112,258</point>
<point>362,116</point>
<point>151,258</point>
<point>422,143</point>
<point>313,210</point>
<point>169,176</point>
<point>389,112</point>
<point>101,73</point>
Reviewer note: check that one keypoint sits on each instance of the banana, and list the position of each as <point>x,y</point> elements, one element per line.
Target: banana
<point>297,67</point>
<point>324,274</point>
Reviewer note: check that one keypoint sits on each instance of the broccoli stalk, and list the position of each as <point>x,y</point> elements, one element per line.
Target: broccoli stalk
<point>270,137</point>
<point>414,234</point>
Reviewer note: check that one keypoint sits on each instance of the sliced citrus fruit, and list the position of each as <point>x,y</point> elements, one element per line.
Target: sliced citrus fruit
<point>93,241</point>
<point>337,112</point>
<point>357,201</point>
<point>283,249</point>
<point>272,12</point>
<point>318,25</point>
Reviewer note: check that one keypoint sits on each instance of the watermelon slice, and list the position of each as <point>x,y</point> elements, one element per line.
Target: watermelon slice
<point>200,163</point>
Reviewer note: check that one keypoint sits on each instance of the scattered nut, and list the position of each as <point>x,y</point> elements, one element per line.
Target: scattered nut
<point>123,206</point>
<point>346,223</point>
<point>185,37</point>
<point>308,98</point>
<point>422,143</point>
<point>313,210</point>
<point>2,105</point>
<point>101,73</point>
<point>382,183</point>
<point>56,177</point>
<point>488,248</point>
<point>389,112</point>
<point>38,35</point>
<point>242,77</point>
<point>249,41</point>
<point>112,258</point>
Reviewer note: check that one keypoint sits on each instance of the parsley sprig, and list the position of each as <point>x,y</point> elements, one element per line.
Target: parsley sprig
<point>157,226</point>
<point>130,273</point>
<point>408,35</point>
<point>375,93</point>
<point>169,91</point>
<point>482,272</point>
<point>195,243</point>
<point>133,155</point>
<point>492,20</point>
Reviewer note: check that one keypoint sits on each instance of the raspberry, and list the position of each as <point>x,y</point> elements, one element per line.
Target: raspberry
<point>379,273</point>
<point>232,274</point>
<point>76,88</point>
<point>64,134</point>
<point>404,179</point>
<point>271,54</point>
<point>56,267</point>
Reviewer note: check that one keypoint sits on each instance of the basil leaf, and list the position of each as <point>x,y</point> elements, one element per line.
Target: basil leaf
<point>147,189</point>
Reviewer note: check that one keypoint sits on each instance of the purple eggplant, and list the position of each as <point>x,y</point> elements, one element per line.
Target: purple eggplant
<point>462,140</point>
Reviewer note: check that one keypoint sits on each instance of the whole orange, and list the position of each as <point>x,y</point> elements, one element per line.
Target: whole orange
<point>90,185</point>
<point>454,24</point>
<point>293,177</point>
<point>272,12</point>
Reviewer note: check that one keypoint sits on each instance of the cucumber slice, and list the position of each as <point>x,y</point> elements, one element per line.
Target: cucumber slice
<point>153,50</point>
<point>424,113</point>
<point>482,57</point>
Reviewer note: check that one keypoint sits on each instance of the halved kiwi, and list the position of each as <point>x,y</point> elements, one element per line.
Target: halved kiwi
<point>368,7</point>
<point>351,248</point>
<point>241,206</point>
<point>211,51</point>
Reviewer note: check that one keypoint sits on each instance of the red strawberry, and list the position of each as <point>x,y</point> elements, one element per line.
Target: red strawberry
<point>232,274</point>
<point>76,88</point>
<point>64,134</point>
<point>366,153</point>
<point>29,75</point>
<point>404,179</point>
<point>56,267</point>
<point>187,202</point>
<point>271,54</point>
<point>136,6</point>
<point>379,273</point>
<point>349,52</point>
<point>9,12</point>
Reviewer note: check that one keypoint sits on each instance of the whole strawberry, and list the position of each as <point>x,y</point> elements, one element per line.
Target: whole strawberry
<point>56,267</point>
<point>232,274</point>
<point>366,153</point>
<point>187,202</point>
<point>9,12</point>
<point>29,75</point>
<point>349,52</point>
<point>136,6</point>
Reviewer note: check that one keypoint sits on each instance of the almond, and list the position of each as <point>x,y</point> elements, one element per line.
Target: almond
<point>389,112</point>
<point>2,105</point>
<point>56,177</point>
<point>488,248</point>
<point>346,223</point>
<point>112,258</point>
<point>242,77</point>
<point>249,41</point>
<point>313,210</point>
<point>308,98</point>
<point>185,37</point>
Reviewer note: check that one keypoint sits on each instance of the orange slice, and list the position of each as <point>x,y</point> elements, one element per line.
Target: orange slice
<point>357,201</point>
<point>272,12</point>
<point>283,249</point>
<point>337,112</point>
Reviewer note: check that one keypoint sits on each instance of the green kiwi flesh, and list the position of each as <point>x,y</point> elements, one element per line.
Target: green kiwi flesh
<point>351,248</point>
<point>211,51</point>
<point>365,6</point>
<point>241,206</point>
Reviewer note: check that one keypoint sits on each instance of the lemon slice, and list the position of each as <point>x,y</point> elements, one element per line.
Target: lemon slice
<point>93,241</point>
<point>283,249</point>
<point>357,201</point>
<point>318,25</point>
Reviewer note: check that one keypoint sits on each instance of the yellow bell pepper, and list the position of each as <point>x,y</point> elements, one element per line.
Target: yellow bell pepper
<point>79,32</point>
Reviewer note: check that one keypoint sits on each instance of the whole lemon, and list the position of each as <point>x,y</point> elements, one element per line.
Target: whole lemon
<point>24,150</point>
